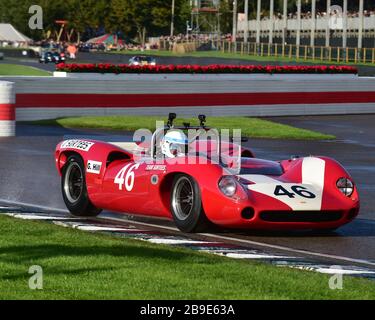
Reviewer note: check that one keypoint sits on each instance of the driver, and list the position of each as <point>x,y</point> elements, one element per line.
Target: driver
<point>174,144</point>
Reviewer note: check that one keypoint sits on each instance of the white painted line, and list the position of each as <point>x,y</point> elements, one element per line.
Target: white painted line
<point>254,256</point>
<point>28,216</point>
<point>344,271</point>
<point>177,242</point>
<point>62,224</point>
<point>327,270</point>
<point>95,228</point>
<point>226,251</point>
<point>108,229</point>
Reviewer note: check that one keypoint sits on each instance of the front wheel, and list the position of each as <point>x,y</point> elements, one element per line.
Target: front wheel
<point>186,205</point>
<point>74,189</point>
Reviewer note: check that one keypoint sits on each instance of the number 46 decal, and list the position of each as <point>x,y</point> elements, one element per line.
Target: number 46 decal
<point>299,190</point>
<point>126,177</point>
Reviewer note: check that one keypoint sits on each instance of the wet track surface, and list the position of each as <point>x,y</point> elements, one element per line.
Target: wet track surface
<point>28,175</point>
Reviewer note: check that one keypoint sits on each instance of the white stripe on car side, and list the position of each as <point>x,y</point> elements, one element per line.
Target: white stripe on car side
<point>313,172</point>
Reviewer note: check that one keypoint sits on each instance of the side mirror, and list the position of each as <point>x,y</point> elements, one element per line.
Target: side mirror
<point>171,118</point>
<point>202,119</point>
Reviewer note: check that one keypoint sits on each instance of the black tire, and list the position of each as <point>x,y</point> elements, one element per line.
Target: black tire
<point>74,190</point>
<point>186,205</point>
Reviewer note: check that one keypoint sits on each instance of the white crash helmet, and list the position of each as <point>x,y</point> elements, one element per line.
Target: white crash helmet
<point>174,144</point>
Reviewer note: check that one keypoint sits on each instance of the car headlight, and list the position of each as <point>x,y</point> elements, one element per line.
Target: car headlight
<point>345,186</point>
<point>228,186</point>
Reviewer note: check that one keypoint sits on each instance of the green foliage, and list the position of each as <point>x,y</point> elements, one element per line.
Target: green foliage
<point>18,70</point>
<point>133,18</point>
<point>79,265</point>
<point>251,127</point>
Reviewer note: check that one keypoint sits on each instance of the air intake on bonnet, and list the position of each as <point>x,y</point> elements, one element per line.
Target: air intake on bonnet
<point>303,216</point>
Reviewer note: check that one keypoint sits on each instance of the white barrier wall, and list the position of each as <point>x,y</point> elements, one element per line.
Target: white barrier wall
<point>306,24</point>
<point>220,95</point>
<point>7,109</point>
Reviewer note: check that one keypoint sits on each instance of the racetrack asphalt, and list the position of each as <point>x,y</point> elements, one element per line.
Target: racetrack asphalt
<point>28,175</point>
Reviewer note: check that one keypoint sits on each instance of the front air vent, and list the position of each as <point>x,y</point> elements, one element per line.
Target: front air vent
<point>248,213</point>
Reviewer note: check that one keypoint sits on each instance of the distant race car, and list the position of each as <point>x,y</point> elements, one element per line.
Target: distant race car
<point>52,57</point>
<point>216,183</point>
<point>142,61</point>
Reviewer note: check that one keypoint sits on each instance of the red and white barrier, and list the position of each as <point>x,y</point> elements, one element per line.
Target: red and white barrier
<point>215,95</point>
<point>7,109</point>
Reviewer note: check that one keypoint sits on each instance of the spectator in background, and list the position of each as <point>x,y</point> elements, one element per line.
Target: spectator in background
<point>72,50</point>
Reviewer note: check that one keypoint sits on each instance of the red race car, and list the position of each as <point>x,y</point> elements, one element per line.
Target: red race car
<point>199,181</point>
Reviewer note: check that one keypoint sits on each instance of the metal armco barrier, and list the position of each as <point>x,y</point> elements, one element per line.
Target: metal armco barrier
<point>7,109</point>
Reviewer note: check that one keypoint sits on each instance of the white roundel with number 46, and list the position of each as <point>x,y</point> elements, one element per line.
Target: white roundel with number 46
<point>126,177</point>
<point>304,196</point>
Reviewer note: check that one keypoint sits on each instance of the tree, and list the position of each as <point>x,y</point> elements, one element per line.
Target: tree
<point>86,14</point>
<point>119,18</point>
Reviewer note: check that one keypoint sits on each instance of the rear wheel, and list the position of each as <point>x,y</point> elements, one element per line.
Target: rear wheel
<point>186,205</point>
<point>74,189</point>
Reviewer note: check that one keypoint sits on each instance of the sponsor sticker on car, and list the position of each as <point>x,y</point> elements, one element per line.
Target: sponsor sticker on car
<point>94,167</point>
<point>77,144</point>
<point>156,168</point>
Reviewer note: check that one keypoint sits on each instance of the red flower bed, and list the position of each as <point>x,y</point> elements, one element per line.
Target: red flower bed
<point>211,69</point>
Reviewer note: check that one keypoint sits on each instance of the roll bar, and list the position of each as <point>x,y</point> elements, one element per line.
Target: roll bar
<point>170,125</point>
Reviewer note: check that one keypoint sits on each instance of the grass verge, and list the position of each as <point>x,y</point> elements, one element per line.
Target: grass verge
<point>79,265</point>
<point>19,70</point>
<point>225,55</point>
<point>251,127</point>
